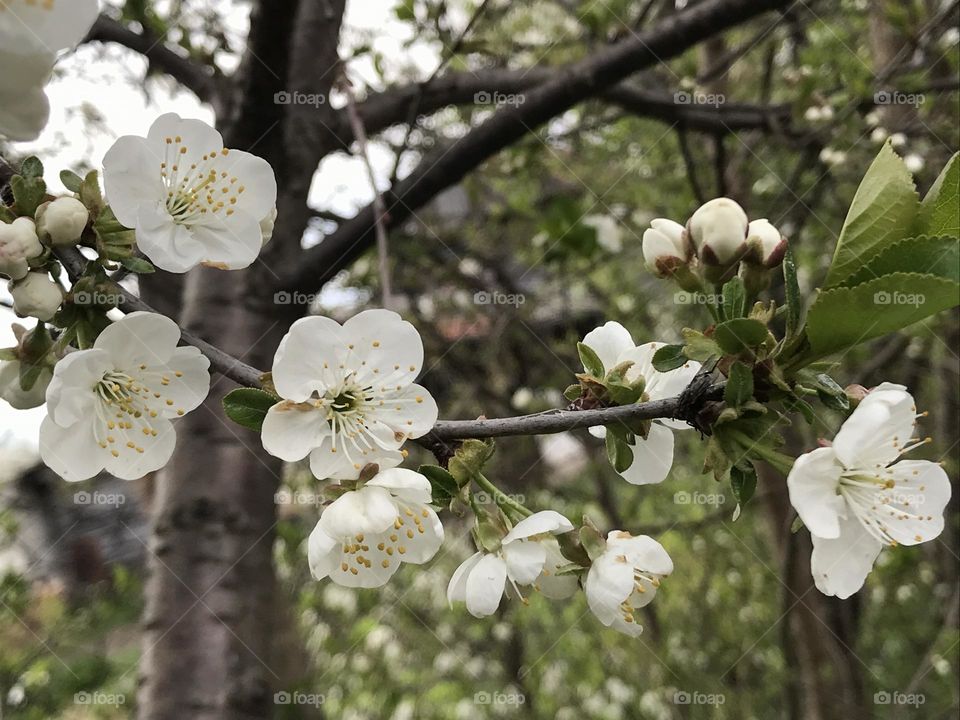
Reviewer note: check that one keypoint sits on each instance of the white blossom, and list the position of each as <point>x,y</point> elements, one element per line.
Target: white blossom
<point>62,220</point>
<point>653,455</point>
<point>482,578</point>
<point>31,35</point>
<point>191,200</point>
<point>348,393</point>
<point>766,244</point>
<point>13,393</point>
<point>18,244</point>
<point>856,496</point>
<point>365,534</point>
<point>625,578</point>
<point>718,229</point>
<point>666,246</point>
<point>36,295</point>
<point>110,407</point>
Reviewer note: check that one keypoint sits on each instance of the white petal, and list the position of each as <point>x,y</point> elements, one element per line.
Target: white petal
<point>609,341</point>
<point>324,463</point>
<point>813,484</point>
<point>188,376</point>
<point>57,25</point>
<point>256,176</point>
<point>410,410</point>
<point>525,559</point>
<point>427,537</point>
<point>308,358</point>
<point>24,108</point>
<point>140,337</point>
<point>368,510</point>
<point>169,245</point>
<point>840,565</point>
<point>131,178</point>
<point>71,452</point>
<point>389,346</point>
<point>652,458</point>
<point>598,431</point>
<point>368,563</point>
<point>642,552</point>
<point>323,553</point>
<point>70,395</point>
<point>132,464</point>
<point>609,582</point>
<point>230,241</point>
<point>550,583</point>
<point>912,510</point>
<point>291,430</point>
<point>545,521</point>
<point>404,484</point>
<point>876,431</point>
<point>196,136</point>
<point>485,583</point>
<point>457,587</point>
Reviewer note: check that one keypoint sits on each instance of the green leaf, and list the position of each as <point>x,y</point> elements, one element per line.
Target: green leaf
<point>698,346</point>
<point>31,168</point>
<point>248,407</point>
<point>669,357</point>
<point>938,256</point>
<point>846,316</point>
<point>138,265</point>
<point>469,459</point>
<point>590,359</point>
<point>882,212</point>
<point>739,386</point>
<point>940,210</point>
<point>618,452</point>
<point>734,336</point>
<point>743,481</point>
<point>791,288</point>
<point>444,485</point>
<point>831,394</point>
<point>71,181</point>
<point>28,193</point>
<point>734,299</point>
<point>90,193</point>
<point>623,394</point>
<point>573,392</point>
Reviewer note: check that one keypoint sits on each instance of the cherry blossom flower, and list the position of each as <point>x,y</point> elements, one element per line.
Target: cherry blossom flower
<point>18,244</point>
<point>653,455</point>
<point>624,578</point>
<point>856,496</point>
<point>365,534</point>
<point>13,392</point>
<point>348,394</point>
<point>482,578</point>
<point>191,200</point>
<point>666,247</point>
<point>110,407</point>
<point>31,35</point>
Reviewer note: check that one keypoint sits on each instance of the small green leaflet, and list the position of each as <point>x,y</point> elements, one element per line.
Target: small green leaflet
<point>940,210</point>
<point>669,357</point>
<point>248,407</point>
<point>739,386</point>
<point>734,336</point>
<point>591,361</point>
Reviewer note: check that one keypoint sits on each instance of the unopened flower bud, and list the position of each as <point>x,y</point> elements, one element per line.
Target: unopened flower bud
<point>765,245</point>
<point>13,392</point>
<point>62,220</point>
<point>665,247</point>
<point>266,226</point>
<point>36,295</point>
<point>18,244</point>
<point>719,232</point>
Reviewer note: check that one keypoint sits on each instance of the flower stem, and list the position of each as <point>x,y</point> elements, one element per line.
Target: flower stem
<point>501,498</point>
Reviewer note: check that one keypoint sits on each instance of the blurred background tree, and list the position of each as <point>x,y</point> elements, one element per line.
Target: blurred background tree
<point>521,149</point>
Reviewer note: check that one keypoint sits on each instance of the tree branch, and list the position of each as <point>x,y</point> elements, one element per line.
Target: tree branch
<point>570,86</point>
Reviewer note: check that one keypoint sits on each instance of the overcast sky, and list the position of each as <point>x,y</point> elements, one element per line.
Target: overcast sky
<point>95,97</point>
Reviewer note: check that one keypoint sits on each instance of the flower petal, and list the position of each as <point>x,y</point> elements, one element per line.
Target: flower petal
<point>230,240</point>
<point>365,566</point>
<point>292,430</point>
<point>652,458</point>
<point>69,396</point>
<point>387,349</point>
<point>138,454</point>
<point>404,484</point>
<point>609,582</point>
<point>813,484</point>
<point>550,583</point>
<point>71,452</point>
<point>188,381</point>
<point>170,133</point>
<point>545,521</point>
<point>257,178</point>
<point>410,410</point>
<point>642,552</point>
<point>140,337</point>
<point>525,559</point>
<point>169,245</point>
<point>323,553</point>
<point>368,510</point>
<point>912,510</point>
<point>308,358</point>
<point>877,430</point>
<point>485,584</point>
<point>609,341</point>
<point>840,565</point>
<point>131,178</point>
<point>426,540</point>
<point>457,587</point>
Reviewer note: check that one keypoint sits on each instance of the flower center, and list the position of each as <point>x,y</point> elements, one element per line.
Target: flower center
<point>200,189</point>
